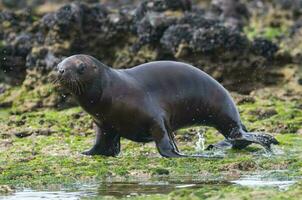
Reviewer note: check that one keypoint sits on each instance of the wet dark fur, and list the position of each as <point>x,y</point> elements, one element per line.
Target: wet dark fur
<point>150,101</point>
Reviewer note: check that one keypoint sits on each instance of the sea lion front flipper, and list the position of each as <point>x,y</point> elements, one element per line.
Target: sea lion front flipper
<point>107,144</point>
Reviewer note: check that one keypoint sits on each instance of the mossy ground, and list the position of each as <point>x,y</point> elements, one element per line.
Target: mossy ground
<point>48,148</point>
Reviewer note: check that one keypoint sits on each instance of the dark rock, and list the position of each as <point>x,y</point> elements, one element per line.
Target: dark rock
<point>23,134</point>
<point>151,28</point>
<point>264,48</point>
<point>23,44</point>
<point>245,99</point>
<point>203,35</point>
<point>160,6</point>
<point>197,19</point>
<point>294,5</point>
<point>175,35</point>
<point>160,171</point>
<point>20,4</point>
<point>20,122</point>
<point>17,43</point>
<point>169,29</point>
<point>6,104</point>
<point>29,132</point>
<point>218,39</point>
<point>80,28</point>
<point>45,132</point>
<point>233,13</point>
<point>78,115</point>
<point>183,30</point>
<point>151,20</point>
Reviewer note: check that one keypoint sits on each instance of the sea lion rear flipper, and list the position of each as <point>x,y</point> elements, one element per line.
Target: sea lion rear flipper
<point>239,139</point>
<point>166,145</point>
<point>263,139</point>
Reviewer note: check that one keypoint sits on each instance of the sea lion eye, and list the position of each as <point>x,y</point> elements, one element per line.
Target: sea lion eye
<point>81,68</point>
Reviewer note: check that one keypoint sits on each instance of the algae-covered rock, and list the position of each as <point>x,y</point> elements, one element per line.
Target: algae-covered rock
<point>16,44</point>
<point>216,37</point>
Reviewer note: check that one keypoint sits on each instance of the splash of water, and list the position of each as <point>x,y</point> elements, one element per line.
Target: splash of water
<point>275,151</point>
<point>200,144</point>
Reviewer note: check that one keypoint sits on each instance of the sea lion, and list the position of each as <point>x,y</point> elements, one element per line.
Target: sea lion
<point>148,102</point>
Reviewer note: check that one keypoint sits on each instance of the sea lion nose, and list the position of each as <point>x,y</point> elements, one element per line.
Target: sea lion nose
<point>61,71</point>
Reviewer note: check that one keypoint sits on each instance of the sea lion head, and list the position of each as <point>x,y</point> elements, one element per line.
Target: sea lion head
<point>78,72</point>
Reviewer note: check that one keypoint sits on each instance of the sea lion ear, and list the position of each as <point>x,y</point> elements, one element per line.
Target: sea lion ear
<point>81,68</point>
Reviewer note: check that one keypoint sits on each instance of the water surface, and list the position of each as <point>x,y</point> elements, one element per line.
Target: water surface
<point>161,185</point>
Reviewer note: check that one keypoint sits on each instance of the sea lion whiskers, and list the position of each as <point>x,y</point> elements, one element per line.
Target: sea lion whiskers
<point>69,84</point>
<point>74,87</point>
<point>81,85</point>
<point>55,79</point>
<point>78,87</point>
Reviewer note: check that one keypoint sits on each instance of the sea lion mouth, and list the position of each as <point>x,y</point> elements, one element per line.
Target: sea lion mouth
<point>73,84</point>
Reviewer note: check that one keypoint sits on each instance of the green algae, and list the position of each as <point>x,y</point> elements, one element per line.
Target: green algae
<point>270,33</point>
<point>4,114</point>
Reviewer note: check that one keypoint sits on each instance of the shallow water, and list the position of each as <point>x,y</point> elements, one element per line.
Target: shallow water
<point>279,179</point>
<point>163,185</point>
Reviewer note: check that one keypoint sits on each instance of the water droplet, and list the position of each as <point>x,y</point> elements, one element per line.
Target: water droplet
<point>200,142</point>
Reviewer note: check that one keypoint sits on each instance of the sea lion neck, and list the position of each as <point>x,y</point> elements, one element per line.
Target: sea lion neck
<point>96,93</point>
